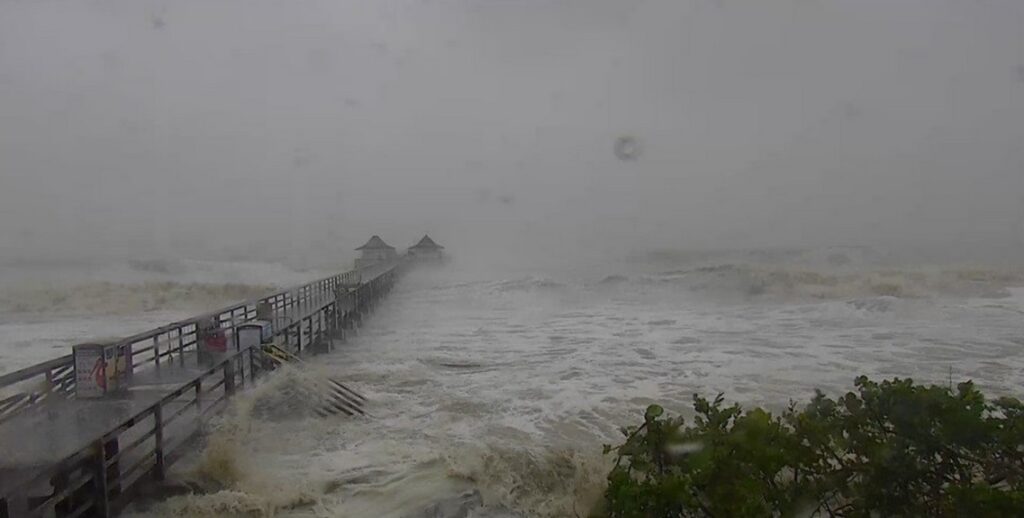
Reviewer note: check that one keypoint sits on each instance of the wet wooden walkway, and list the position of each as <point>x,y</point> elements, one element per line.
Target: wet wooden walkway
<point>67,457</point>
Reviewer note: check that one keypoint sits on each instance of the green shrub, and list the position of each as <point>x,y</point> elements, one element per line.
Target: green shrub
<point>888,449</point>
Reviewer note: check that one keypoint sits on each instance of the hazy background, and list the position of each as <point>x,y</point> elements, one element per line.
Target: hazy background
<point>292,130</point>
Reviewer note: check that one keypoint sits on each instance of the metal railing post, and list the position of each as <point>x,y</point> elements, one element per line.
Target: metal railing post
<point>158,433</point>
<point>252,365</point>
<point>239,364</point>
<point>229,377</point>
<point>181,345</point>
<point>199,392</point>
<point>101,494</point>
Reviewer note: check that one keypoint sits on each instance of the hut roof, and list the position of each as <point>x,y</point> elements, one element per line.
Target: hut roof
<point>427,244</point>
<point>376,243</point>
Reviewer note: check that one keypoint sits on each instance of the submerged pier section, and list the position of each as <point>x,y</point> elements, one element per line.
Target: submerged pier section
<point>80,435</point>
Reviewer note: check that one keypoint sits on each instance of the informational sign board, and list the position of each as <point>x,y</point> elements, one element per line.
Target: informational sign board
<point>90,371</point>
<point>101,369</point>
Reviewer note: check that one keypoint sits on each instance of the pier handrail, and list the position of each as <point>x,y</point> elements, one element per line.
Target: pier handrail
<point>33,370</point>
<point>146,451</point>
<point>29,386</point>
<point>105,473</point>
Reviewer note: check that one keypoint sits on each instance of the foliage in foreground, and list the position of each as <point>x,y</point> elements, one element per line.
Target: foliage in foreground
<point>887,449</point>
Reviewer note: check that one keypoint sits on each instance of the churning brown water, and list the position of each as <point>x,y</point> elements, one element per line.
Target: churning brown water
<point>493,397</point>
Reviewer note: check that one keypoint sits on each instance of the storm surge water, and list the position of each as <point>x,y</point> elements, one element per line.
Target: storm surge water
<point>45,309</point>
<point>492,396</point>
<point>125,298</point>
<point>793,284</point>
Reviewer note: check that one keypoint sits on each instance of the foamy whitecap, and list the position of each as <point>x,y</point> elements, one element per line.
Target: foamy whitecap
<point>229,481</point>
<point>539,481</point>
<point>767,282</point>
<point>125,298</point>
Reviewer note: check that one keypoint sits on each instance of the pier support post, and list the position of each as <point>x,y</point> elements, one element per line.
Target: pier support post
<point>229,378</point>
<point>159,469</point>
<point>106,479</point>
<point>100,495</point>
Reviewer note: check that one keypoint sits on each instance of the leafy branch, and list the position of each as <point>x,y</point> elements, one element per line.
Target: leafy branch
<point>890,448</point>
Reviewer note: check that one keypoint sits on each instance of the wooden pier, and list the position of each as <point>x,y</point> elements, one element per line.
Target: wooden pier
<point>89,457</point>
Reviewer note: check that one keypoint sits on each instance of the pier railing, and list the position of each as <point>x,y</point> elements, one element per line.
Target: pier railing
<point>101,477</point>
<point>292,308</point>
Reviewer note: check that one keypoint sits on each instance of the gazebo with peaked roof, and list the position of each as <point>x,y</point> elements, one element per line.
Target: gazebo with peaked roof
<point>376,243</point>
<point>375,250</point>
<point>426,249</point>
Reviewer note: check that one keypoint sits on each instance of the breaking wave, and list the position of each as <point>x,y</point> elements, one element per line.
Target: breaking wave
<point>435,480</point>
<point>224,480</point>
<point>122,298</point>
<point>526,284</point>
<point>547,482</point>
<point>134,286</point>
<point>759,281</point>
<point>483,481</point>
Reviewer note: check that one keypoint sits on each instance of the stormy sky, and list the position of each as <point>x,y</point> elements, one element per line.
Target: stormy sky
<point>288,129</point>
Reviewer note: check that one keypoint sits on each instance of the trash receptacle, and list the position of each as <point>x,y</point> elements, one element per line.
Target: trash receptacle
<point>253,334</point>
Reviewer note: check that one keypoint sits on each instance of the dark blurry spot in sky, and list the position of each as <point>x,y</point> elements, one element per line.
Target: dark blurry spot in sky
<point>507,199</point>
<point>158,22</point>
<point>627,148</point>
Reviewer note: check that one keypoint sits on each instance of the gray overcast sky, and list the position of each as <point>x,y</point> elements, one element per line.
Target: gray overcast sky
<point>203,127</point>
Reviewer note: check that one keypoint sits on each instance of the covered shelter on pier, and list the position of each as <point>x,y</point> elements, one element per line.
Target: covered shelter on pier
<point>426,249</point>
<point>374,251</point>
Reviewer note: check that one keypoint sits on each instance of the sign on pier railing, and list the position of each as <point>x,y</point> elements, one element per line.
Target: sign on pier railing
<point>100,369</point>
